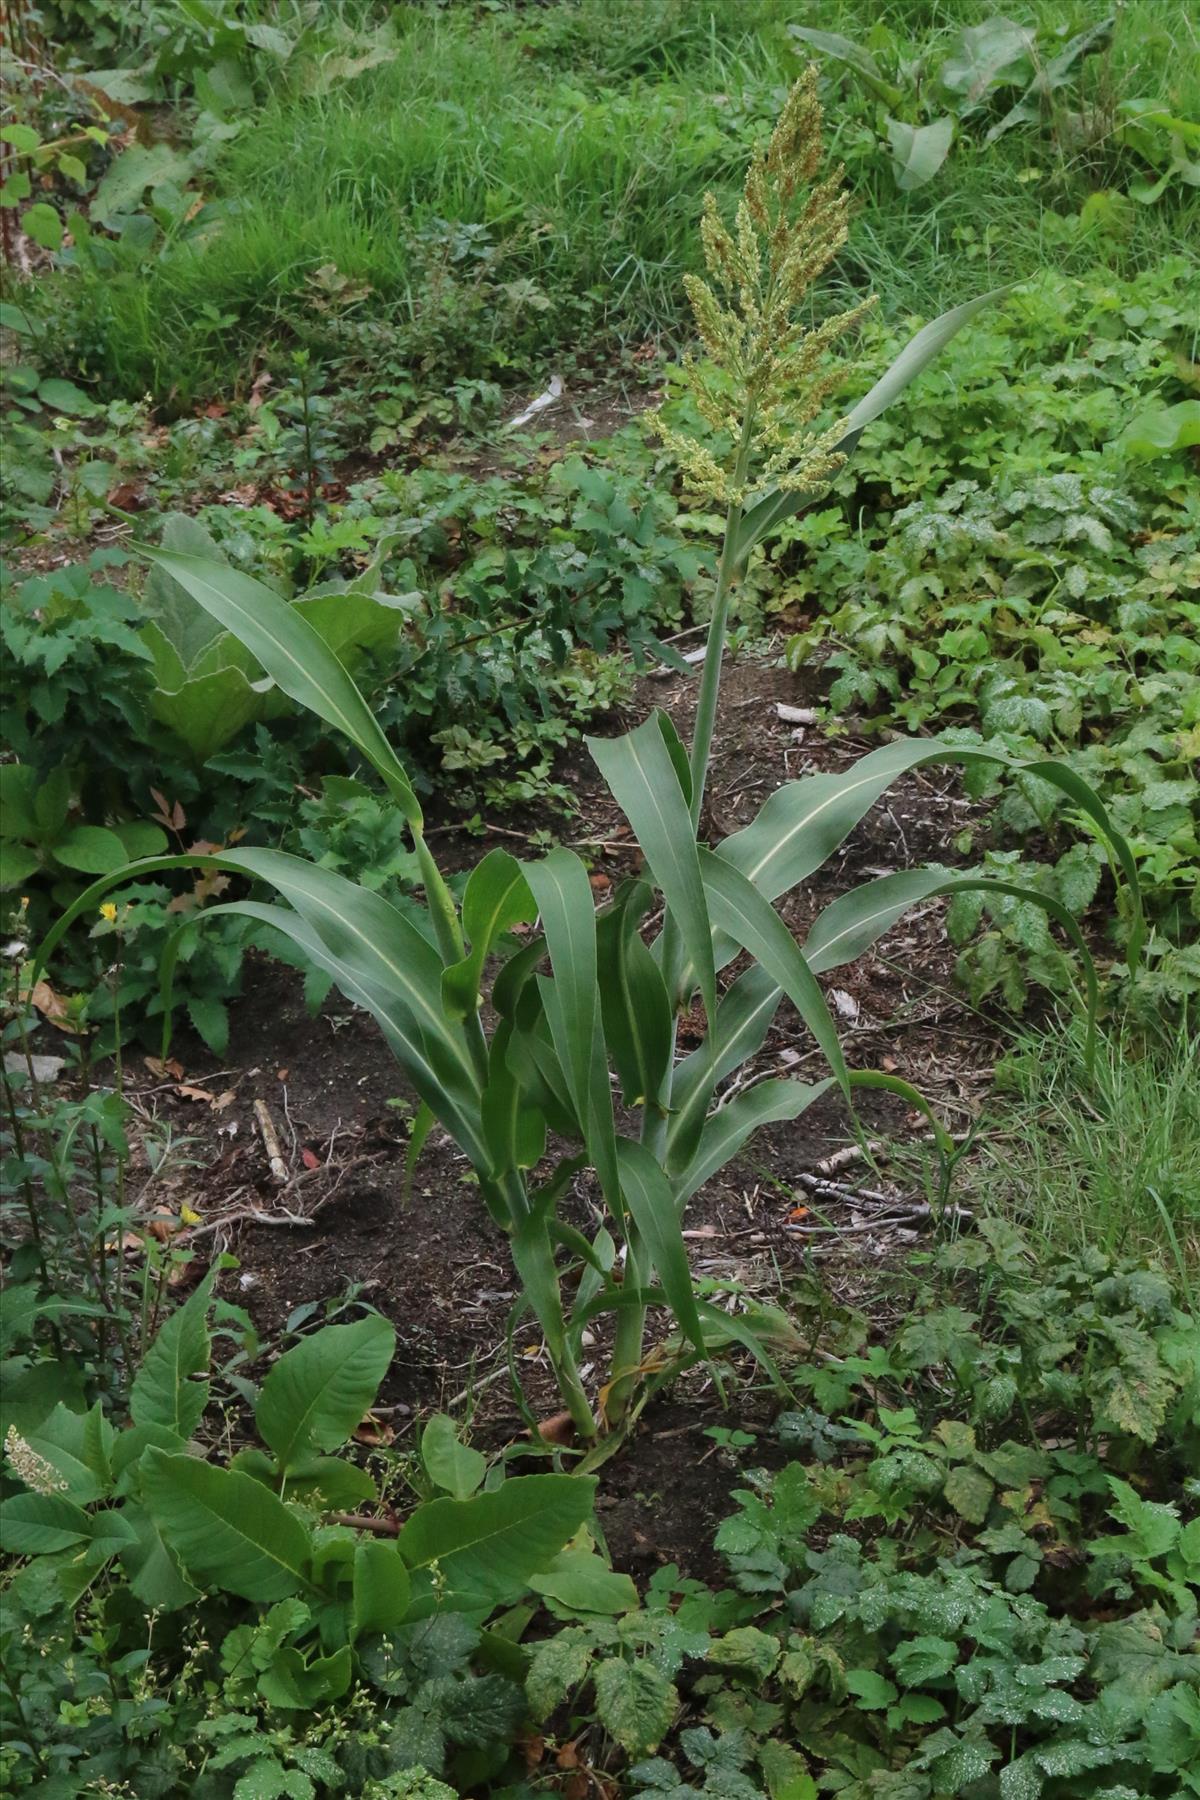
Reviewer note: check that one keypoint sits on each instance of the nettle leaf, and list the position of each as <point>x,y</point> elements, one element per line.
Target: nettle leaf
<point>872,1690</point>
<point>635,1703</point>
<point>747,1650</point>
<point>558,1666</point>
<point>317,1392</point>
<point>1133,1395</point>
<point>969,1492</point>
<point>1153,1527</point>
<point>921,1659</point>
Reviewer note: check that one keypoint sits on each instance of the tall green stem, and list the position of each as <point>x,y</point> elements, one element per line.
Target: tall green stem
<point>710,677</point>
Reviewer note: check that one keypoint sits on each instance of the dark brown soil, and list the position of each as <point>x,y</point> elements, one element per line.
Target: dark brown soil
<point>434,1262</point>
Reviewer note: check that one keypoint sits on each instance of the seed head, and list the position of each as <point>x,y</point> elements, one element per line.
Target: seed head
<point>30,1467</point>
<point>788,228</point>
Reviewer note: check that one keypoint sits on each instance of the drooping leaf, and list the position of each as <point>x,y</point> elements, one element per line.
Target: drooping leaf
<point>293,654</point>
<point>727,1129</point>
<point>740,911</point>
<point>442,1080</point>
<point>582,1582</point>
<point>851,924</point>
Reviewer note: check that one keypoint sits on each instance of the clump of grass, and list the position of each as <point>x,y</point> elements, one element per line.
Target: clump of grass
<point>517,186</point>
<point>1111,1159</point>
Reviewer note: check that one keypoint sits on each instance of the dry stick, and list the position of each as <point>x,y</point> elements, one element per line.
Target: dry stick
<point>270,1138</point>
<point>362,1522</point>
<point>909,1215</point>
<point>829,1165</point>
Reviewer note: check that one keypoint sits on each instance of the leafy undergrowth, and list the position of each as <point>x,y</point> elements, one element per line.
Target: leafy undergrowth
<point>975,1576</point>
<point>485,188</point>
<point>1016,559</point>
<point>1020,558</point>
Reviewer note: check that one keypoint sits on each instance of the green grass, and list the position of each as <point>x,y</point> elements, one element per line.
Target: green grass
<point>576,143</point>
<point>1112,1158</point>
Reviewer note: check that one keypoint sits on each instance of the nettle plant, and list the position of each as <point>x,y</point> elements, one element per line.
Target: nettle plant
<point>586,1005</point>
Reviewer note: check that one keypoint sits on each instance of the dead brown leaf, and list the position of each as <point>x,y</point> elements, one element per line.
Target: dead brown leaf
<point>375,1433</point>
<point>171,1067</point>
<point>51,1004</point>
<point>557,1429</point>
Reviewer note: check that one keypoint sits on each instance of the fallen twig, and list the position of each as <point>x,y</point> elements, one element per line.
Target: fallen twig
<point>829,1165</point>
<point>270,1138</point>
<point>363,1522</point>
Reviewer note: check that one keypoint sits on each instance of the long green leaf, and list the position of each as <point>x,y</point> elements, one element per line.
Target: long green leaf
<point>449,1102</point>
<point>572,1003</point>
<point>634,1001</point>
<point>744,1015</point>
<point>366,944</point>
<point>727,1129</point>
<point>294,655</point>
<point>497,896</point>
<point>781,503</point>
<point>228,1530</point>
<point>855,921</point>
<point>739,910</point>
<point>318,1391</point>
<point>641,773</point>
<point>650,1200</point>
<point>803,822</point>
<point>375,942</point>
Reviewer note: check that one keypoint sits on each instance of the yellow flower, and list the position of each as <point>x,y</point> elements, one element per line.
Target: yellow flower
<point>108,911</point>
<point>188,1217</point>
